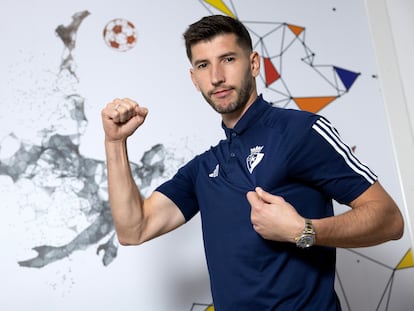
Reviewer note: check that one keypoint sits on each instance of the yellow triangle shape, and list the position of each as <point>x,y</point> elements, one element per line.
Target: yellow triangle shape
<point>407,261</point>
<point>221,6</point>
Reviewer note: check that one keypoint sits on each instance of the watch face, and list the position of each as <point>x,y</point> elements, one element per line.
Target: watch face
<point>305,241</point>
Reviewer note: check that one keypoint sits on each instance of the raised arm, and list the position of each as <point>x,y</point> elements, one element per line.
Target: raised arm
<point>374,218</point>
<point>136,219</point>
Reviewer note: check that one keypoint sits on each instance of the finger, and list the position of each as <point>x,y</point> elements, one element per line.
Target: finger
<point>253,198</point>
<point>132,108</point>
<point>141,111</point>
<point>129,102</point>
<point>268,197</point>
<point>122,104</point>
<point>124,110</point>
<point>115,104</point>
<point>109,112</point>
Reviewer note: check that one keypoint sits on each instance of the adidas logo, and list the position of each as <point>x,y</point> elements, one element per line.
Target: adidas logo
<point>215,173</point>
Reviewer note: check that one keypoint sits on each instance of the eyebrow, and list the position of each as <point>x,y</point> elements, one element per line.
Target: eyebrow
<point>200,61</point>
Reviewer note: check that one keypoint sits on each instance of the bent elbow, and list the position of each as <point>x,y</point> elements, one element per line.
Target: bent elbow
<point>397,227</point>
<point>124,242</point>
<point>128,239</point>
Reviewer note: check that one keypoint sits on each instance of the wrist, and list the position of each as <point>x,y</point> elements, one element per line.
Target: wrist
<point>116,150</point>
<point>299,229</point>
<point>307,238</point>
<point>112,141</point>
<point>116,145</point>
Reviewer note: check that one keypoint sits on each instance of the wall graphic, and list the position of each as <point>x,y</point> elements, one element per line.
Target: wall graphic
<point>120,34</point>
<point>59,245</point>
<point>281,45</point>
<point>58,168</point>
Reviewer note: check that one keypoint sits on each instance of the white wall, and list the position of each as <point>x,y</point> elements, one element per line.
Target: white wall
<point>392,27</point>
<point>169,273</point>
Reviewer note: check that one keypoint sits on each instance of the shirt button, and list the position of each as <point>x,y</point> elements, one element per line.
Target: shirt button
<point>234,134</point>
<point>232,155</point>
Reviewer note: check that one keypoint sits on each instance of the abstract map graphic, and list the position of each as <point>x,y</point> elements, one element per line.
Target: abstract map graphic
<point>57,168</point>
<point>285,53</point>
<point>390,275</point>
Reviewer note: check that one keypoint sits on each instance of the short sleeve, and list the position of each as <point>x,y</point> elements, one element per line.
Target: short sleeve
<point>180,189</point>
<point>322,158</point>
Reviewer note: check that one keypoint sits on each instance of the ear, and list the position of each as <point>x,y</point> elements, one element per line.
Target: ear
<point>255,63</point>
<point>193,78</point>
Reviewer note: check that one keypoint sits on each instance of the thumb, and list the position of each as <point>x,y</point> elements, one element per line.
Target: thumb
<point>142,111</point>
<point>266,196</point>
<point>140,114</point>
<point>253,198</point>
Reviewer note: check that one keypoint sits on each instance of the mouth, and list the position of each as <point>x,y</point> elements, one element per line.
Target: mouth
<point>221,93</point>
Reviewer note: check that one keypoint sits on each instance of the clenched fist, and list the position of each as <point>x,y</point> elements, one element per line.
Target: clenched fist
<point>121,118</point>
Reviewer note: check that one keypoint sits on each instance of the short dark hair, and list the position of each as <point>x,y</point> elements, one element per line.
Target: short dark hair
<point>210,26</point>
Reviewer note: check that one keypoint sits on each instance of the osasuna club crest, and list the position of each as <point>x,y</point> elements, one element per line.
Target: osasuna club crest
<point>254,158</point>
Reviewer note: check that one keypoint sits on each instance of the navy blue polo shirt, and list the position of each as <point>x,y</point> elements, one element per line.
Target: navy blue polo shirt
<point>294,154</point>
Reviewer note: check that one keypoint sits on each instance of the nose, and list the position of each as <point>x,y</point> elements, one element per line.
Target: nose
<point>217,75</point>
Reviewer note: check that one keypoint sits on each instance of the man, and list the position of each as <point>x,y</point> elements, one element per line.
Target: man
<point>264,193</point>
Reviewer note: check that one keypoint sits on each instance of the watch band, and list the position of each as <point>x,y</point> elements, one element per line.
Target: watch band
<point>308,227</point>
<point>307,238</point>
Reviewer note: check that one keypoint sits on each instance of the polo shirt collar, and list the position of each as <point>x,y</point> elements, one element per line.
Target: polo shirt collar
<point>249,118</point>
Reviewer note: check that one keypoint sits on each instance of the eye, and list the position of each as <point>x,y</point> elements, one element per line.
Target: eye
<point>201,66</point>
<point>229,59</point>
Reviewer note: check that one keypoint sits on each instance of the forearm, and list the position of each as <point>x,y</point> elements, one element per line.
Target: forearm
<point>124,197</point>
<point>367,224</point>
<point>347,231</point>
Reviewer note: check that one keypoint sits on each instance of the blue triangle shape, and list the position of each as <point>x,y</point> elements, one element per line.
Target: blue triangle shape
<point>347,77</point>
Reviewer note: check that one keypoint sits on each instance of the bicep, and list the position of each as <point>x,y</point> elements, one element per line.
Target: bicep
<point>374,193</point>
<point>161,215</point>
<point>380,204</point>
<point>380,209</point>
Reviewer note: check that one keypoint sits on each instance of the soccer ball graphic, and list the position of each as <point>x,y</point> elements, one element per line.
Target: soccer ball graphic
<point>120,34</point>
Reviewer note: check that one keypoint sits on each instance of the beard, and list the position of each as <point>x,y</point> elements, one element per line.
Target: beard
<point>243,96</point>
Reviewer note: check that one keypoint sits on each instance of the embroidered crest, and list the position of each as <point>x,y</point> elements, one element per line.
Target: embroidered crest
<point>254,158</point>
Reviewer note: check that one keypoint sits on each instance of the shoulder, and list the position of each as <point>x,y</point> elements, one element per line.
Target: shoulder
<point>289,121</point>
<point>194,165</point>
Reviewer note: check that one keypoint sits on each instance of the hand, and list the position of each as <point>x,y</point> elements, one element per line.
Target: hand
<point>121,118</point>
<point>274,218</point>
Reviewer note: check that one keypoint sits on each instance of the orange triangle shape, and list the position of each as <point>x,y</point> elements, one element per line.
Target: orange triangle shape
<point>271,74</point>
<point>313,104</point>
<point>297,30</point>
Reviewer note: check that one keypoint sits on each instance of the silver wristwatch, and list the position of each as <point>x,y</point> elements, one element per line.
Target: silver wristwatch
<point>307,239</point>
